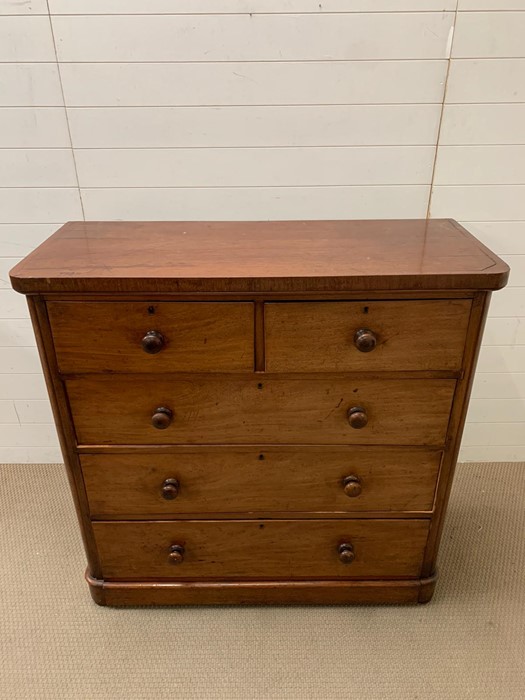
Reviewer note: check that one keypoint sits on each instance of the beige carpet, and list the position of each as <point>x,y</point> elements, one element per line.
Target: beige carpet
<point>469,642</point>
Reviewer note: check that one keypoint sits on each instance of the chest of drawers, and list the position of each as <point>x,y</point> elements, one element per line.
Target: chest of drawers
<point>260,412</point>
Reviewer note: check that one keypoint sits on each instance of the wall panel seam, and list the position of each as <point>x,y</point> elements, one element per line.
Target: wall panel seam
<point>445,87</point>
<point>65,110</point>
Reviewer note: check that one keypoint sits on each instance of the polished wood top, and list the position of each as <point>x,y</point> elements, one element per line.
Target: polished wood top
<point>276,256</point>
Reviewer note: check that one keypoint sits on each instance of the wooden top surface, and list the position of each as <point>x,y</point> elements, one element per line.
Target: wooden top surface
<point>278,256</point>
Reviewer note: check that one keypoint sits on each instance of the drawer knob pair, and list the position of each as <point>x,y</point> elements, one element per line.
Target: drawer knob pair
<point>351,487</point>
<point>345,551</point>
<point>162,417</point>
<point>365,340</point>
<point>153,342</point>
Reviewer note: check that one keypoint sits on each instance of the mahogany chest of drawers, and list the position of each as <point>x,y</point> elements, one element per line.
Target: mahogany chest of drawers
<point>260,412</point>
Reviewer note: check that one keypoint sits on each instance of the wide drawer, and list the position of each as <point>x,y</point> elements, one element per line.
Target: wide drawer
<point>225,481</point>
<point>261,549</point>
<point>365,335</point>
<point>122,410</point>
<point>152,336</point>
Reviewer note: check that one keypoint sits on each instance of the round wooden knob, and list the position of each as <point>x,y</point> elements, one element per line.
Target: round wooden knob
<point>365,340</point>
<point>352,486</point>
<point>170,489</point>
<point>162,418</point>
<point>357,417</point>
<point>153,342</point>
<point>346,553</point>
<point>176,555</point>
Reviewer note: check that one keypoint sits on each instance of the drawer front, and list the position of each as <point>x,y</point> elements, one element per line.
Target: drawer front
<point>255,549</point>
<point>111,410</point>
<point>365,336</point>
<point>225,481</point>
<point>152,336</point>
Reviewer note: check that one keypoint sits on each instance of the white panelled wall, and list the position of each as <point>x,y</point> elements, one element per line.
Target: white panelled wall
<point>264,109</point>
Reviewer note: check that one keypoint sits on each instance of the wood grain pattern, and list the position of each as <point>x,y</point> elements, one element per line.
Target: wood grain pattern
<point>222,481</point>
<point>458,417</point>
<point>265,412</point>
<point>388,592</point>
<point>319,336</point>
<point>65,430</point>
<point>113,410</point>
<point>307,256</point>
<point>268,549</point>
<point>198,336</point>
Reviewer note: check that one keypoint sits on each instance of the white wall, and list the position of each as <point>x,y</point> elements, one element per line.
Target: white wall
<point>239,109</point>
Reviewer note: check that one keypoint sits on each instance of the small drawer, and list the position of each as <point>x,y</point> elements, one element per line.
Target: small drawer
<point>365,335</point>
<point>240,410</point>
<point>261,549</point>
<point>220,480</point>
<point>152,336</point>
